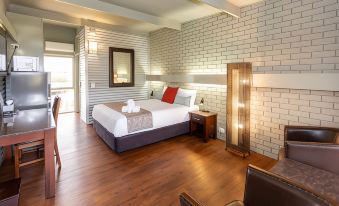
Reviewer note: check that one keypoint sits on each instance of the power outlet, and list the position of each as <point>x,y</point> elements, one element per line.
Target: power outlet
<point>221,130</point>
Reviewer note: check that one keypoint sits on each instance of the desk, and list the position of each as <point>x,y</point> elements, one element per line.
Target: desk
<point>33,125</point>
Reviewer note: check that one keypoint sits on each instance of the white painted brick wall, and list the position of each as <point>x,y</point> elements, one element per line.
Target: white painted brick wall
<point>276,36</point>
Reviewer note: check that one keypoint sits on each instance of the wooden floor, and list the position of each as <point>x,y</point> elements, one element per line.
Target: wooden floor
<point>92,174</point>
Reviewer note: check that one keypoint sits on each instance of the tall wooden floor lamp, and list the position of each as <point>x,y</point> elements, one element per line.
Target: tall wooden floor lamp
<point>239,81</point>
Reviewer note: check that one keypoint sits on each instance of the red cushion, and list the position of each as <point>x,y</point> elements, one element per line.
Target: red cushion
<point>169,95</point>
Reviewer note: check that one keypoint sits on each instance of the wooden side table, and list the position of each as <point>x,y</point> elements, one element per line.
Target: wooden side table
<point>207,120</point>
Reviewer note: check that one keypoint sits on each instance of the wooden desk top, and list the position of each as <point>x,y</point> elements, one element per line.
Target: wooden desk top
<point>204,114</point>
<point>27,121</point>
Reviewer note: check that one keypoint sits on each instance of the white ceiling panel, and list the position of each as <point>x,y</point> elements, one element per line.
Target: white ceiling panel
<point>165,13</point>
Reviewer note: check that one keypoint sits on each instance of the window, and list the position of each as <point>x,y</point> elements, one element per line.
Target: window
<point>61,69</point>
<point>62,80</point>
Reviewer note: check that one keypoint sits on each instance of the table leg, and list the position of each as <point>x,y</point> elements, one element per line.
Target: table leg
<point>49,163</point>
<point>191,127</point>
<point>8,152</point>
<point>216,127</point>
<point>206,133</point>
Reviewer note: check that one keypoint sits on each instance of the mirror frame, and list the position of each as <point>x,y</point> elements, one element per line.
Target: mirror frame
<point>111,67</point>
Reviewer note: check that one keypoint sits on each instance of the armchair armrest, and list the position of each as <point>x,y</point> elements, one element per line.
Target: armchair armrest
<point>187,200</point>
<point>311,134</point>
<point>320,155</point>
<point>281,154</point>
<point>264,188</point>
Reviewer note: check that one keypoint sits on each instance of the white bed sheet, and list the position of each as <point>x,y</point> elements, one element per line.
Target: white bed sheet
<point>163,115</point>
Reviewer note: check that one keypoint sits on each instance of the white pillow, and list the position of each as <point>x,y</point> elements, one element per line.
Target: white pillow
<point>157,95</point>
<point>186,101</point>
<point>164,89</point>
<point>188,93</point>
<point>185,93</point>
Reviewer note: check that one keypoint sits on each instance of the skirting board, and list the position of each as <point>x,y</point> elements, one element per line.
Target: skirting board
<point>310,81</point>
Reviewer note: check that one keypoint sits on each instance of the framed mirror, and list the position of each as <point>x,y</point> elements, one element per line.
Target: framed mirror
<point>121,67</point>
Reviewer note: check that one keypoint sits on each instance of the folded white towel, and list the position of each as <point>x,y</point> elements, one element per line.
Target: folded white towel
<point>136,109</point>
<point>130,103</point>
<point>124,109</point>
<point>130,107</point>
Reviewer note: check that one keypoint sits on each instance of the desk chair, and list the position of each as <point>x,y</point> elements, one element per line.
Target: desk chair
<point>18,149</point>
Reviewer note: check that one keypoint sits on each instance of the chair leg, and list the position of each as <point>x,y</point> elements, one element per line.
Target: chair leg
<point>56,149</point>
<point>37,151</point>
<point>17,161</point>
<point>20,154</point>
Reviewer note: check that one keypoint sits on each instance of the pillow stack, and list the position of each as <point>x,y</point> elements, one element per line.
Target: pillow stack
<point>170,94</point>
<point>177,95</point>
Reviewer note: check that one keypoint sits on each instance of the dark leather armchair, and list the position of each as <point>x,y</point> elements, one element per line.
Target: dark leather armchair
<point>314,146</point>
<point>264,188</point>
<point>310,158</point>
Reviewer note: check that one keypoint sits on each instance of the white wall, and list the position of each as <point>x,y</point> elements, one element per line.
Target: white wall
<point>276,36</point>
<point>2,7</point>
<point>83,88</point>
<point>29,35</point>
<point>57,33</point>
<point>95,70</point>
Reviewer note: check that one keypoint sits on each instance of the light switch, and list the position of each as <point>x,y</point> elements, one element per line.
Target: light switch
<point>92,85</point>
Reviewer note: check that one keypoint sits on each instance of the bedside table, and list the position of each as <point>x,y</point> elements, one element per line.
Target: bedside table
<point>206,122</point>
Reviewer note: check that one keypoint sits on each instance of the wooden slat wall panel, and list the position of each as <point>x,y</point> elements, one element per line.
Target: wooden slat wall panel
<point>83,76</point>
<point>97,68</point>
<point>3,87</point>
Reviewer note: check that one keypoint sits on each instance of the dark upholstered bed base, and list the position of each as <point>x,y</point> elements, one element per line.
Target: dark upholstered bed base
<point>121,144</point>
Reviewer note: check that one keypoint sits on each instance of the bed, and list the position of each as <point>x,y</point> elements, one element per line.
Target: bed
<point>169,120</point>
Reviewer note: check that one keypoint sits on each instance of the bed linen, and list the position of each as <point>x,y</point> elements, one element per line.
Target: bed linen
<point>135,120</point>
<point>163,114</point>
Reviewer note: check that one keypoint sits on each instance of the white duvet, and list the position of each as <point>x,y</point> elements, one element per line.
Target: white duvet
<point>163,115</point>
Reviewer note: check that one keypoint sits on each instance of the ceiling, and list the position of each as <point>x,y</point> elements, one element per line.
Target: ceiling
<point>179,10</point>
<point>241,3</point>
<point>173,11</point>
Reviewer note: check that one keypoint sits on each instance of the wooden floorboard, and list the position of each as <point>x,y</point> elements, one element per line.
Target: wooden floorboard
<point>156,174</point>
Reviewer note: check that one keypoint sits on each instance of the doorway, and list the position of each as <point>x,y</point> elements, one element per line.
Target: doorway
<point>63,79</point>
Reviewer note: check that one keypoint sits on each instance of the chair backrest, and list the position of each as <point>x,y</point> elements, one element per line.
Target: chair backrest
<point>311,134</point>
<point>55,108</point>
<point>264,188</point>
<point>319,155</point>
